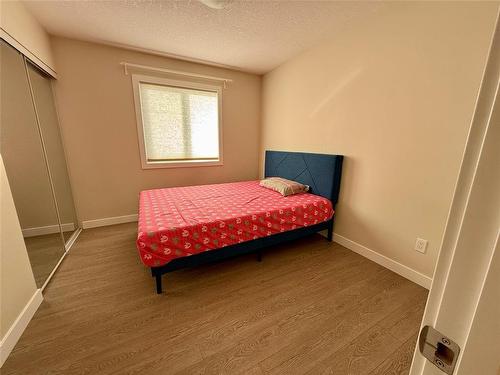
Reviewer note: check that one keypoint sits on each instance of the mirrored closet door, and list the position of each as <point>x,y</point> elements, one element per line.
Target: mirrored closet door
<point>33,154</point>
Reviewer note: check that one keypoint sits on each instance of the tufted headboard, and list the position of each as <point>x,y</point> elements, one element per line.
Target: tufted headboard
<point>320,171</point>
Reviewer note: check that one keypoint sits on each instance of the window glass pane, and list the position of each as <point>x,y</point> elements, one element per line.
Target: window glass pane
<point>179,123</point>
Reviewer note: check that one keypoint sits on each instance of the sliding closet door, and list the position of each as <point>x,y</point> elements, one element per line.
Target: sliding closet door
<point>22,152</point>
<point>49,125</point>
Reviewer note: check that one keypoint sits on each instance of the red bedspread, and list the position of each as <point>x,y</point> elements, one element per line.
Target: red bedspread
<point>178,222</point>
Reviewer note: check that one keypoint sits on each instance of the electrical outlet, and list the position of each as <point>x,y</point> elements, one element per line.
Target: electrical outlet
<point>421,245</point>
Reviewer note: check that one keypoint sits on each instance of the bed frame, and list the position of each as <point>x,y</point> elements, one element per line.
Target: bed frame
<point>321,172</point>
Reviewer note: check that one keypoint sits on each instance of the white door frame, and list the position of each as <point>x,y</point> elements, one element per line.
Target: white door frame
<point>472,230</point>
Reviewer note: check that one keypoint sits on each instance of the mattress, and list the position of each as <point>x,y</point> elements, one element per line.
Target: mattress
<point>182,221</point>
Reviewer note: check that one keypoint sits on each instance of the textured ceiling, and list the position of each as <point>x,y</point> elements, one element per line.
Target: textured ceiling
<point>254,36</point>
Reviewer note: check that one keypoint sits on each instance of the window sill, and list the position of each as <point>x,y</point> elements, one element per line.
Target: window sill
<point>181,164</point>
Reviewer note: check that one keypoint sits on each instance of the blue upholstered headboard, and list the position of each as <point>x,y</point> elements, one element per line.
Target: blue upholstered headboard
<point>320,171</point>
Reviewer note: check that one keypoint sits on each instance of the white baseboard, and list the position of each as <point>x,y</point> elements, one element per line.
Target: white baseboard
<point>109,221</point>
<point>48,229</point>
<point>384,261</point>
<point>16,330</point>
<point>72,239</point>
<point>69,243</point>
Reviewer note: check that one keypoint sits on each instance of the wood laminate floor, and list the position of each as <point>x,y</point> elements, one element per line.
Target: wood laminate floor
<point>310,307</point>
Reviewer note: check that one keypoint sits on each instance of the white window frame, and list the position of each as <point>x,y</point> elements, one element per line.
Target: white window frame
<point>137,79</point>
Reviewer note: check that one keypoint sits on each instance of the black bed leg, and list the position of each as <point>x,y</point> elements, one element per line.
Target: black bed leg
<point>330,232</point>
<point>158,284</point>
<point>259,256</point>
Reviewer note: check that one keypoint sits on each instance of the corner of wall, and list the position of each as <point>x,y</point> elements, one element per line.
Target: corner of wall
<point>19,304</point>
<point>22,30</point>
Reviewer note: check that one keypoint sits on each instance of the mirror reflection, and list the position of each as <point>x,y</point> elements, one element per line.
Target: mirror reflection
<point>49,126</point>
<point>31,147</point>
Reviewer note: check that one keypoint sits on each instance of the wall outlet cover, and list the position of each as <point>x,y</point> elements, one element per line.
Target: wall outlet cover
<point>421,245</point>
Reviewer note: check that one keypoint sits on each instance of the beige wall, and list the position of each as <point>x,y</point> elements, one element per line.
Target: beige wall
<point>21,25</point>
<point>395,94</point>
<point>98,125</point>
<point>15,269</point>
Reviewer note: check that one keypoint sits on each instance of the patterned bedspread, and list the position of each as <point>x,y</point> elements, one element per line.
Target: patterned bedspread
<point>182,221</point>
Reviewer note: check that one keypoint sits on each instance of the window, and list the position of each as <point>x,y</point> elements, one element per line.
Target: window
<point>178,122</point>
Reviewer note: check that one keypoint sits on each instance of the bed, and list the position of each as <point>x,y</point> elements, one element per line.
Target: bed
<point>193,225</point>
